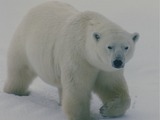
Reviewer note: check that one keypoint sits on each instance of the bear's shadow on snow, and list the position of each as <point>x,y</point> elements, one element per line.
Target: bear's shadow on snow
<point>46,100</point>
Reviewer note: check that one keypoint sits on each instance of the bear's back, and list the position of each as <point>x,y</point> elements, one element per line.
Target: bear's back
<point>50,13</point>
<point>53,9</point>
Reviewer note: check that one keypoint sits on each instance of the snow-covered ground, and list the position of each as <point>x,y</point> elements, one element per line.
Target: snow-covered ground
<point>142,72</point>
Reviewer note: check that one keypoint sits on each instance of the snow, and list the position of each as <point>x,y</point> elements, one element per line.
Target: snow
<point>142,72</point>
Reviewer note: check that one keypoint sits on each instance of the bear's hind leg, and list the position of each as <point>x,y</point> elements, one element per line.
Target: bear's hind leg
<point>19,79</point>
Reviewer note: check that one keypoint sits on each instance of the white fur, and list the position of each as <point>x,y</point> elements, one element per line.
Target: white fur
<point>56,43</point>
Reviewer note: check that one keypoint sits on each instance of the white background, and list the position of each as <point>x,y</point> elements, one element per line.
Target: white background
<point>142,72</point>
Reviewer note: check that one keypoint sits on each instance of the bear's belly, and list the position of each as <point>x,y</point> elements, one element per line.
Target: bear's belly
<point>42,62</point>
<point>47,72</point>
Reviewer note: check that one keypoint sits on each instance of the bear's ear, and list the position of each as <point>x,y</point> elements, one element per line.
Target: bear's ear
<point>135,37</point>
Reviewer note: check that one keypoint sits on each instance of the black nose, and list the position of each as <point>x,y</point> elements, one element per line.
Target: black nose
<point>118,64</point>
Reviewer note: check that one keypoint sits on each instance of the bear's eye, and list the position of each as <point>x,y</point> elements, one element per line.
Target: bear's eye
<point>96,36</point>
<point>110,47</point>
<point>126,48</point>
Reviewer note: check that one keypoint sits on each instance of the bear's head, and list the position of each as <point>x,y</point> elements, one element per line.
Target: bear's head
<point>108,46</point>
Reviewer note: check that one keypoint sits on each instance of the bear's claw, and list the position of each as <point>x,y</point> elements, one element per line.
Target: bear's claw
<point>103,111</point>
<point>115,108</point>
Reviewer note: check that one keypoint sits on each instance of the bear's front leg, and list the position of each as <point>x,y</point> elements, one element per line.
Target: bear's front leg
<point>76,104</point>
<point>76,93</point>
<point>113,91</point>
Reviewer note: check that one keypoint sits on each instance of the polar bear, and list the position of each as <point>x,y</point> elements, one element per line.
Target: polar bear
<point>78,52</point>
